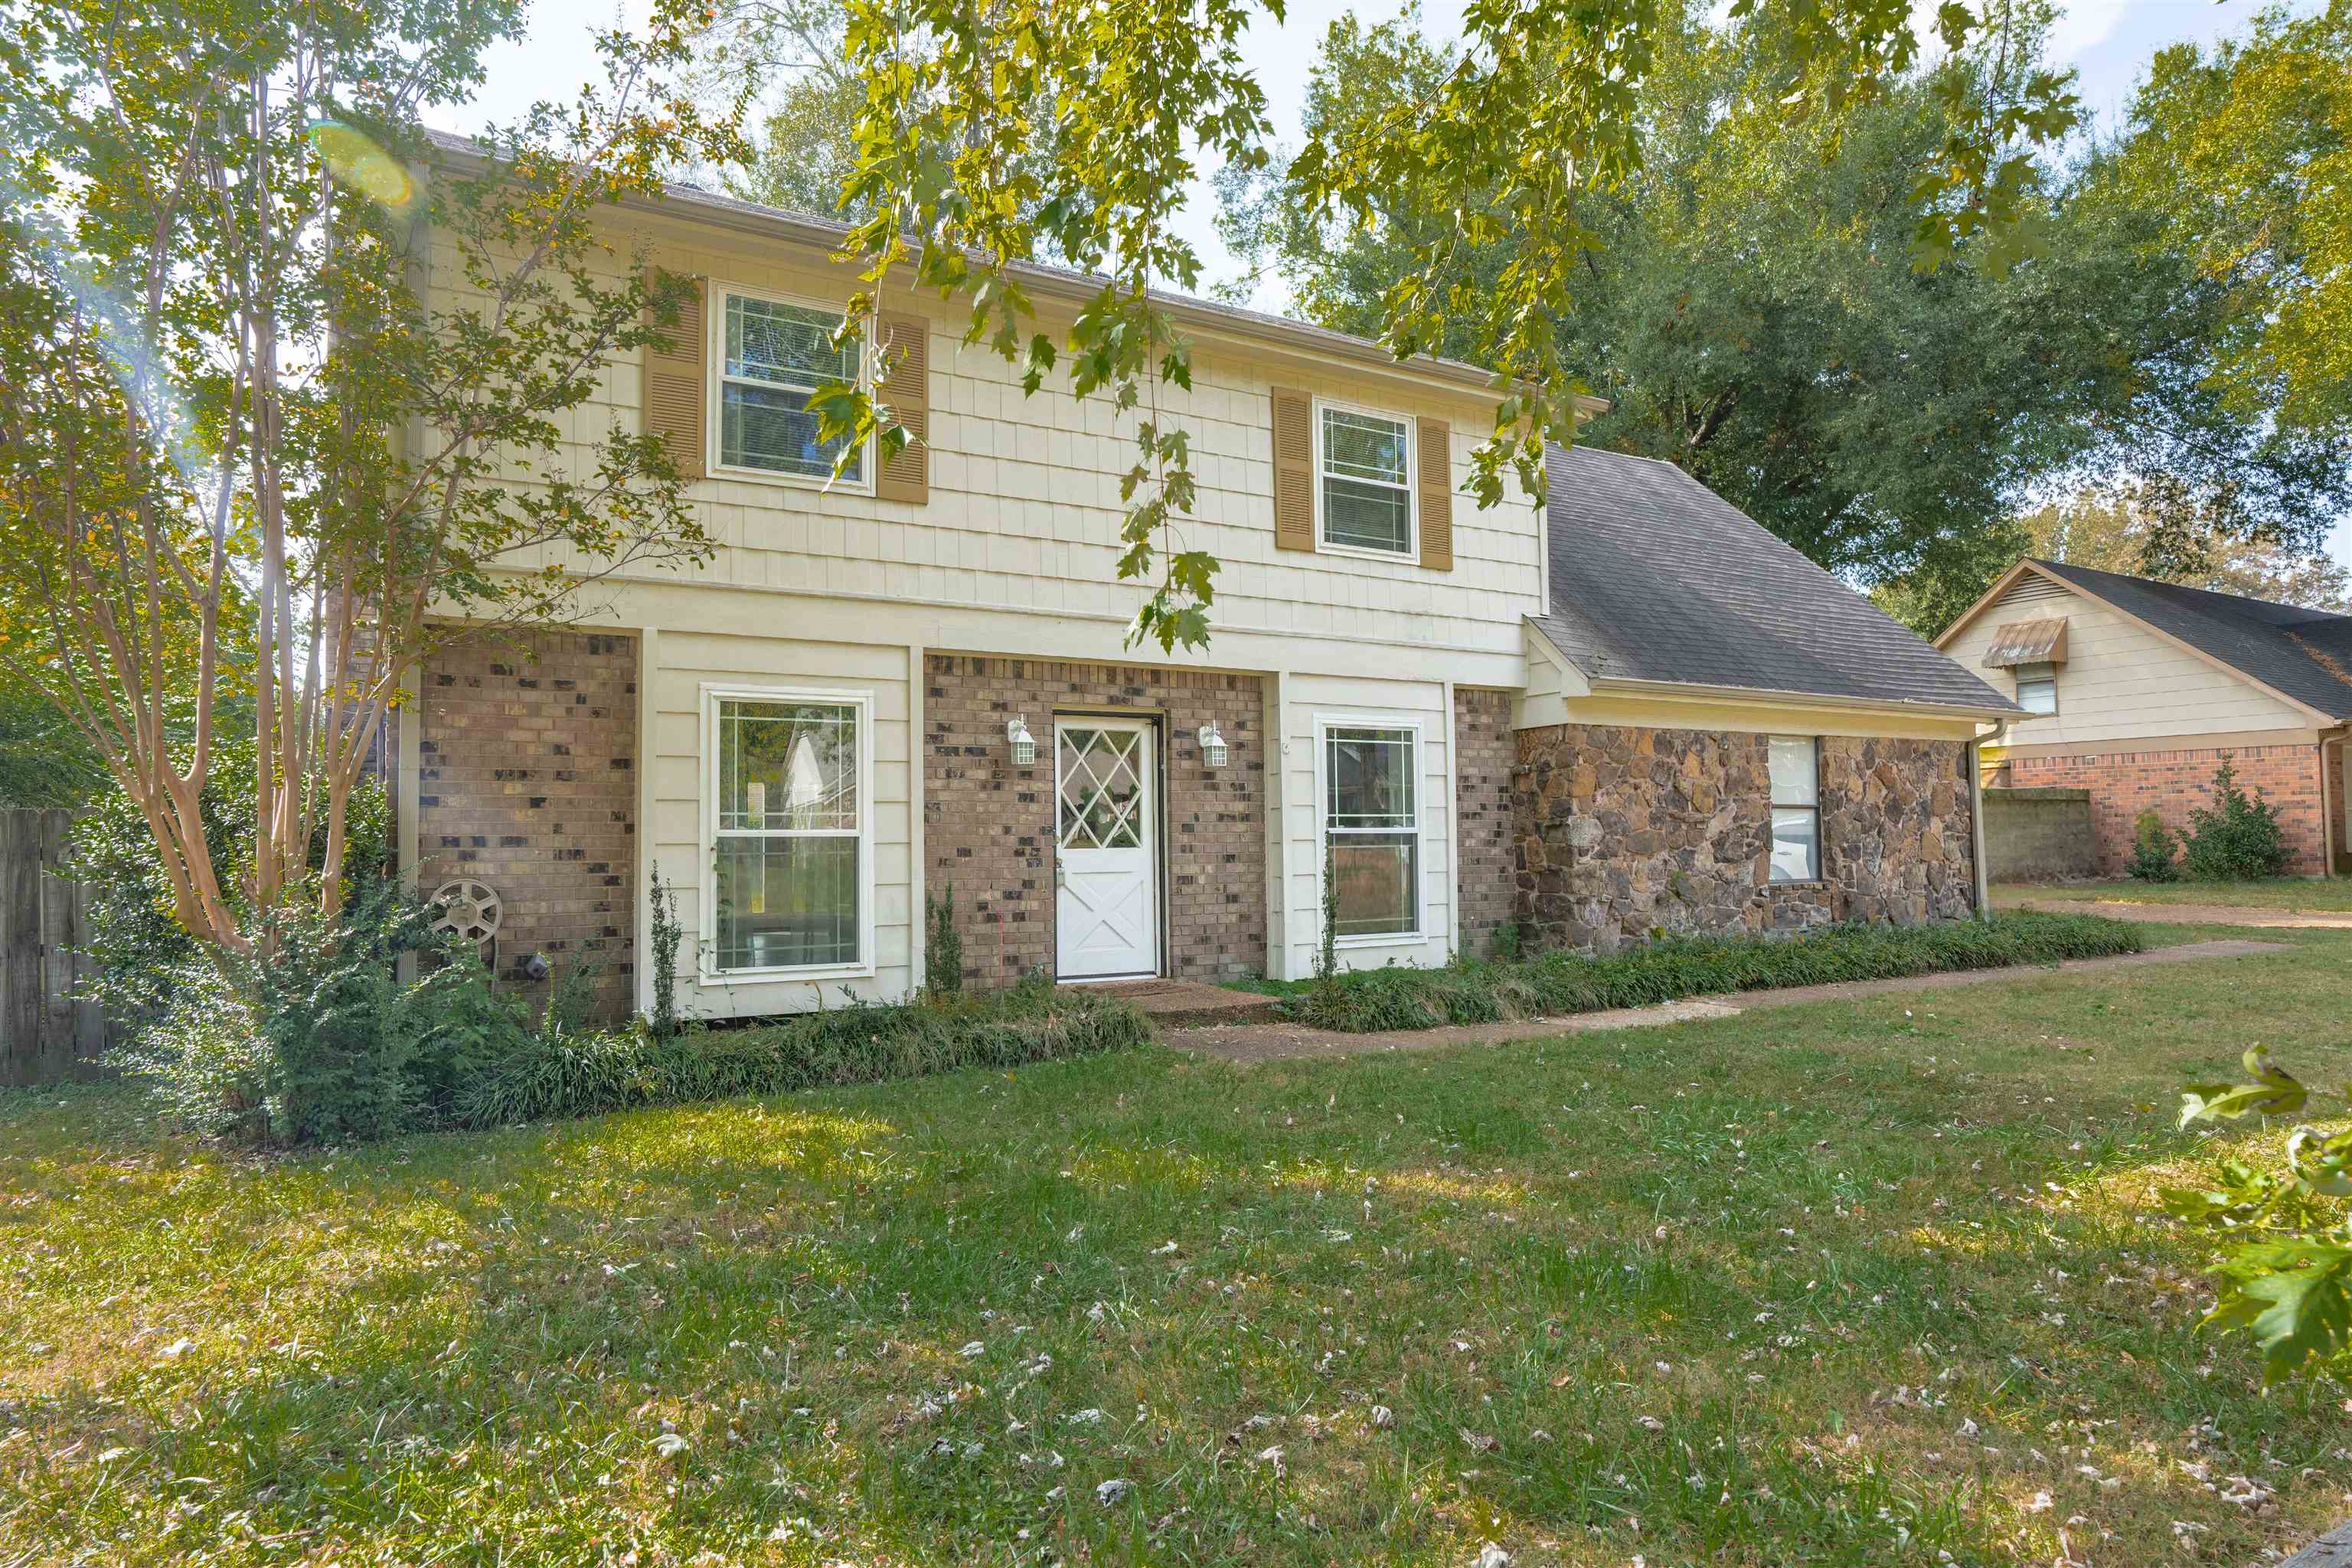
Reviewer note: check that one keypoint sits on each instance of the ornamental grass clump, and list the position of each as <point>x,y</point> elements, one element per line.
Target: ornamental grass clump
<point>581,1075</point>
<point>1672,967</point>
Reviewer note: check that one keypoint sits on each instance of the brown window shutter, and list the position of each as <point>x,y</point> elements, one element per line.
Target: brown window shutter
<point>677,389</point>
<point>1435,439</point>
<point>1294,470</point>
<point>907,388</point>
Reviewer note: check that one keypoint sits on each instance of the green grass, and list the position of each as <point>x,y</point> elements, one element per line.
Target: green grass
<point>1478,992</point>
<point>2275,893</point>
<point>1846,1284</point>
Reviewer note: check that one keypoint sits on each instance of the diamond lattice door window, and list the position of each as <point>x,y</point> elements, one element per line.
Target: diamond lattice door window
<point>1106,885</point>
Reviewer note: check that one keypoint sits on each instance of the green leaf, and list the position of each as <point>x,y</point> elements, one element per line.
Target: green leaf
<point>2294,1298</point>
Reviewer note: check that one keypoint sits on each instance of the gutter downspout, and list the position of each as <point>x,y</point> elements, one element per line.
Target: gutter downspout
<point>1975,812</point>
<point>2332,812</point>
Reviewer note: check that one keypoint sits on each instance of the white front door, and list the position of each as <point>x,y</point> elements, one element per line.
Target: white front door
<point>1106,871</point>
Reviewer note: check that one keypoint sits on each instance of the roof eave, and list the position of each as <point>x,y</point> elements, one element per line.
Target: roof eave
<point>1231,322</point>
<point>1696,692</point>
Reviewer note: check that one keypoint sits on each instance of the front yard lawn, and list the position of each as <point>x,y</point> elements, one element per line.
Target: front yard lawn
<point>1855,1283</point>
<point>2274,893</point>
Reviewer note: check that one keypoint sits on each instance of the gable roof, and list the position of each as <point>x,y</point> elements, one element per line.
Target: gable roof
<point>1656,578</point>
<point>2303,655</point>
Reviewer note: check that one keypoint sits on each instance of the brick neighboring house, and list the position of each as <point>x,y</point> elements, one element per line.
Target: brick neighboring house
<point>2135,691</point>
<point>911,686</point>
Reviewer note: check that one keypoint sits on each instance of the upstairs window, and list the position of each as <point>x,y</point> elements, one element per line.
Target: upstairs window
<point>1364,476</point>
<point>1796,809</point>
<point>774,357</point>
<point>2037,688</point>
<point>1371,830</point>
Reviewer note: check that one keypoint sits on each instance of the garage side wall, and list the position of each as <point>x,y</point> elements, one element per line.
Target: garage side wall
<point>1621,831</point>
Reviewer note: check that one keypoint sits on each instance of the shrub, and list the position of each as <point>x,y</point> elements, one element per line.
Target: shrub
<point>1678,966</point>
<point>1503,942</point>
<point>2238,838</point>
<point>143,953</point>
<point>943,947</point>
<point>667,934</point>
<point>581,1075</point>
<point>321,1039</point>
<point>2153,848</point>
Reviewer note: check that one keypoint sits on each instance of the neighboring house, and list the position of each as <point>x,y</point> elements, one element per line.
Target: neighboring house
<point>2136,691</point>
<point>911,686</point>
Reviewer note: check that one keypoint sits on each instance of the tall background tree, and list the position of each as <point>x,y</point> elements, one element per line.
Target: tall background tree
<point>247,470</point>
<point>1753,306</point>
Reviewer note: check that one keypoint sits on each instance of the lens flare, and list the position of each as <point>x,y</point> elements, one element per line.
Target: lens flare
<point>359,164</point>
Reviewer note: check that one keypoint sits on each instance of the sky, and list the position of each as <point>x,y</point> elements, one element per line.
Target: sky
<point>2107,42</point>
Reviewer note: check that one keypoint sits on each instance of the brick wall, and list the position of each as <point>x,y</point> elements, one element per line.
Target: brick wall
<point>1485,752</point>
<point>988,827</point>
<point>1622,831</point>
<point>527,781</point>
<point>2125,783</point>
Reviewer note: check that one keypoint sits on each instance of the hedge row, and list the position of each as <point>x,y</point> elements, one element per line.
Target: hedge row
<point>584,1074</point>
<point>1481,992</point>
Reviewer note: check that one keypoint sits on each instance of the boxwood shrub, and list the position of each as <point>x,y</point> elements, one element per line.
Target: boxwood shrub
<point>1672,967</point>
<point>566,1075</point>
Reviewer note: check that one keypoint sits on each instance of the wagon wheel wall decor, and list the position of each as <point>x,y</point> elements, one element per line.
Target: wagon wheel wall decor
<point>470,911</point>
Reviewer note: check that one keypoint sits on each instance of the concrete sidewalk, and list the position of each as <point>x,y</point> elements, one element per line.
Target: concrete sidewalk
<point>1266,1042</point>
<point>2188,914</point>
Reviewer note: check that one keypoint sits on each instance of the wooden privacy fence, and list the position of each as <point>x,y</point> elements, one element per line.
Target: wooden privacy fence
<point>46,1035</point>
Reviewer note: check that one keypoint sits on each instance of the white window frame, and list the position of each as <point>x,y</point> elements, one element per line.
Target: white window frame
<point>1772,804</point>
<point>1324,724</point>
<point>1410,555</point>
<point>715,392</point>
<point>706,965</point>
<point>2021,680</point>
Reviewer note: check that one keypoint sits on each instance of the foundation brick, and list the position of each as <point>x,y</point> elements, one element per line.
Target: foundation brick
<point>1484,753</point>
<point>2172,783</point>
<point>528,782</point>
<point>988,827</point>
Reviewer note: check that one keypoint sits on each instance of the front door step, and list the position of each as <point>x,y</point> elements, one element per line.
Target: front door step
<point>1191,1004</point>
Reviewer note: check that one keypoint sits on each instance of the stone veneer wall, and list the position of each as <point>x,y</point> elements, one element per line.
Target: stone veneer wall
<point>1622,830</point>
<point>527,781</point>
<point>2172,783</point>
<point>1484,752</point>
<point>988,827</point>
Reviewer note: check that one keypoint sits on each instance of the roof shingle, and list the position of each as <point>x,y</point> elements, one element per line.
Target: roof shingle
<point>1655,577</point>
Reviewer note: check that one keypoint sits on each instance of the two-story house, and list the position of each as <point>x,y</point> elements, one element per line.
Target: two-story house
<point>907,686</point>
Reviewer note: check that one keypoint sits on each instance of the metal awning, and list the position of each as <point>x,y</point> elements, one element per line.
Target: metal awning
<point>2028,642</point>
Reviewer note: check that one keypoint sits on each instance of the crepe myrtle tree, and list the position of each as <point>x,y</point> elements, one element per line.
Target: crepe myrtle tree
<point>249,471</point>
<point>996,134</point>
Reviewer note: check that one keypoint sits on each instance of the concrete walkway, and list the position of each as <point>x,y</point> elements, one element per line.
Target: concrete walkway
<point>1248,1043</point>
<point>2190,914</point>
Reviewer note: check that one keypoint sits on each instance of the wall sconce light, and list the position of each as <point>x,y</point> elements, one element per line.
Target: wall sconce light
<point>1023,743</point>
<point>1213,753</point>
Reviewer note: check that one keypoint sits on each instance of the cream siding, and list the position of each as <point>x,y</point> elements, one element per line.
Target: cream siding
<point>1308,703</point>
<point>1025,510</point>
<point>2120,681</point>
<point>676,831</point>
